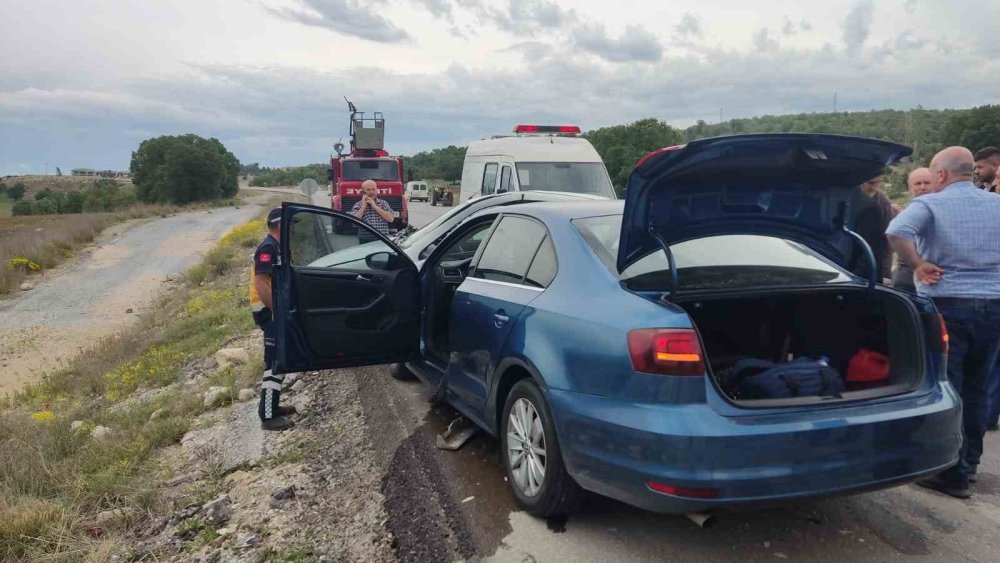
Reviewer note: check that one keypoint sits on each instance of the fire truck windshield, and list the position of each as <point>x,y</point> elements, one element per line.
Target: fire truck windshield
<point>355,170</point>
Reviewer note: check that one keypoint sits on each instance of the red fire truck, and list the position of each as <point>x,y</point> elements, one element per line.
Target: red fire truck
<point>367,160</point>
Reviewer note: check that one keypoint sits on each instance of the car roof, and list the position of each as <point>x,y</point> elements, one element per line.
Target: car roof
<point>564,210</point>
<point>533,148</point>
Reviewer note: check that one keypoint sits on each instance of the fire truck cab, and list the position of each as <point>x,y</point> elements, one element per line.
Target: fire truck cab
<point>367,160</point>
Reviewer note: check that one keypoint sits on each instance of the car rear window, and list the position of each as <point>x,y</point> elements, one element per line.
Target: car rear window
<point>713,262</point>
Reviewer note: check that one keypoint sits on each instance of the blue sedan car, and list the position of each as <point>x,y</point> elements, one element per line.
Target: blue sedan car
<point>596,339</point>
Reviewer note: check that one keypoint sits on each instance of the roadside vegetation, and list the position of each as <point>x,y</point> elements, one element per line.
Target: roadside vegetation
<point>77,492</point>
<point>32,244</point>
<point>184,168</point>
<point>270,177</point>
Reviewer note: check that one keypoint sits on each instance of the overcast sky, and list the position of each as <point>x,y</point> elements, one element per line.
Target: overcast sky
<point>82,82</point>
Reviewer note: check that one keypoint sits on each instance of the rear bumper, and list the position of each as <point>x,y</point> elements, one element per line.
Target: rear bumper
<point>614,448</point>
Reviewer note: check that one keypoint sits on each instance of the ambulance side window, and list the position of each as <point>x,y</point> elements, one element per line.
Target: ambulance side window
<point>504,180</point>
<point>489,178</point>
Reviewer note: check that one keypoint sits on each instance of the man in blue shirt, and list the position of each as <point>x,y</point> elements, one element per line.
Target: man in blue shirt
<point>952,240</point>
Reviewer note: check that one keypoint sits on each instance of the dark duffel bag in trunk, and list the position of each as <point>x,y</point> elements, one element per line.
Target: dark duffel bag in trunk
<point>803,377</point>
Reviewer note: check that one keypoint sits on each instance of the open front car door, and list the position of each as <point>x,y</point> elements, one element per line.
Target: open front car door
<point>343,294</point>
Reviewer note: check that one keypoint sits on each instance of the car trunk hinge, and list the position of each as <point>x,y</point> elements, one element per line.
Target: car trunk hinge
<point>873,278</point>
<point>672,290</point>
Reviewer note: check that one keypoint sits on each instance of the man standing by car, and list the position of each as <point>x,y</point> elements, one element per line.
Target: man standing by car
<point>265,258</point>
<point>372,210</point>
<point>952,240</point>
<point>871,217</point>
<point>987,163</point>
<point>919,183</point>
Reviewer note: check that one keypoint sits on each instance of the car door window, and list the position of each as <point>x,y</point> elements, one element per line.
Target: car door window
<point>504,180</point>
<point>510,250</point>
<point>465,248</point>
<point>322,241</point>
<point>489,178</point>
<point>543,267</point>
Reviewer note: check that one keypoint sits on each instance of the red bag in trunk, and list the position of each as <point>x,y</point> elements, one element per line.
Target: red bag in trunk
<point>867,369</point>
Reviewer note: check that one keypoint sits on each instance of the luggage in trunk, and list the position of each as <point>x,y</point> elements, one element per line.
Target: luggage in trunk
<point>837,325</point>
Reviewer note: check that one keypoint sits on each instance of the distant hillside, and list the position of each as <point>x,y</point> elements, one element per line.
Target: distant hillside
<point>35,183</point>
<point>924,130</point>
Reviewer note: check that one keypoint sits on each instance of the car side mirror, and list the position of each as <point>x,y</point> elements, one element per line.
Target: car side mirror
<point>379,260</point>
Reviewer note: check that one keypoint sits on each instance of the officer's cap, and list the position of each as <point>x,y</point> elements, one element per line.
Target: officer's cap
<point>274,216</point>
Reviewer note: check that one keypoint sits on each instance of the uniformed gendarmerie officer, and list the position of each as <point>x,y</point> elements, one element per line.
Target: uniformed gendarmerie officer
<point>265,258</point>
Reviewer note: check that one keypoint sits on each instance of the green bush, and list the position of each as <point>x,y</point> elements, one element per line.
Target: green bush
<point>22,208</point>
<point>182,169</point>
<point>16,192</point>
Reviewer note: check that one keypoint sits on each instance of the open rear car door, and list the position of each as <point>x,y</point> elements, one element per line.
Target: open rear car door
<point>343,294</point>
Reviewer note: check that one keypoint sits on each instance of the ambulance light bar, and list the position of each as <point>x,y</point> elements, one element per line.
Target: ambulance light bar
<point>561,129</point>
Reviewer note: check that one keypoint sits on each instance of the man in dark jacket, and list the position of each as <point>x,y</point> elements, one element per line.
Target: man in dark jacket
<point>871,217</point>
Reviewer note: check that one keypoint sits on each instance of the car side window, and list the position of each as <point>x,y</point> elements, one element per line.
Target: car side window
<point>543,267</point>
<point>318,240</point>
<point>466,247</point>
<point>510,250</point>
<point>504,180</point>
<point>489,178</point>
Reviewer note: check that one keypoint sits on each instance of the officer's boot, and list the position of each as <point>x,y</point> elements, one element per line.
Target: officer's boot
<point>271,415</point>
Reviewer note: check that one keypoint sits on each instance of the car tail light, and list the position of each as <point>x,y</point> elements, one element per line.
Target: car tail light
<point>666,351</point>
<point>678,491</point>
<point>937,332</point>
<point>565,129</point>
<point>944,334</point>
<point>657,152</point>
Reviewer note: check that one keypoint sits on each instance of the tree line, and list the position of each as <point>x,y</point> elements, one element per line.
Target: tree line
<point>106,195</point>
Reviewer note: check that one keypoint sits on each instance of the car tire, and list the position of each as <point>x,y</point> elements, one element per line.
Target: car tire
<point>557,494</point>
<point>400,372</point>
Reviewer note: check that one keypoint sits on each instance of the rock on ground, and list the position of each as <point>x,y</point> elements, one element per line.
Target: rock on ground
<point>75,425</point>
<point>100,432</point>
<point>158,413</point>
<point>215,395</point>
<point>246,394</point>
<point>228,357</point>
<point>27,286</point>
<point>219,510</point>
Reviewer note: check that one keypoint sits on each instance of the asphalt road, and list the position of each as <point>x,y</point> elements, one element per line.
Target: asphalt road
<point>463,497</point>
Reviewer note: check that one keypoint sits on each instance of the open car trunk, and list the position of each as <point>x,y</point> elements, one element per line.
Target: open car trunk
<point>837,324</point>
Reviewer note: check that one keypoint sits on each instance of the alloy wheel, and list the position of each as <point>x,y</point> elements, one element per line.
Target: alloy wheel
<point>526,447</point>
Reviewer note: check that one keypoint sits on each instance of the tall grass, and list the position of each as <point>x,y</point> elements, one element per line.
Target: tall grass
<point>47,240</point>
<point>53,480</point>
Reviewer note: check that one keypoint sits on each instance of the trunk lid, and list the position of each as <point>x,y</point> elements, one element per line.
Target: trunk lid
<point>797,187</point>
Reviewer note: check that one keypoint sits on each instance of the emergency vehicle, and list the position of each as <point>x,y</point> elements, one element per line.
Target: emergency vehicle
<point>553,158</point>
<point>367,160</point>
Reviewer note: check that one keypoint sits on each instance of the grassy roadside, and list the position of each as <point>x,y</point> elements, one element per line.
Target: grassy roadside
<point>55,481</point>
<point>30,244</point>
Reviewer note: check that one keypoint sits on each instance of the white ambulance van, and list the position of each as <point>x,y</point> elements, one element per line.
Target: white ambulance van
<point>552,158</point>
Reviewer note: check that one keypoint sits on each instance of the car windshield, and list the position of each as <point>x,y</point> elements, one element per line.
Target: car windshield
<point>575,177</point>
<point>713,262</point>
<point>354,170</point>
<point>450,218</point>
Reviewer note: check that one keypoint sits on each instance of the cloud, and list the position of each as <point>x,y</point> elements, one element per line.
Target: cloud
<point>763,41</point>
<point>347,17</point>
<point>690,25</point>
<point>788,28</point>
<point>525,17</point>
<point>635,44</point>
<point>857,26</point>
<point>438,8</point>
